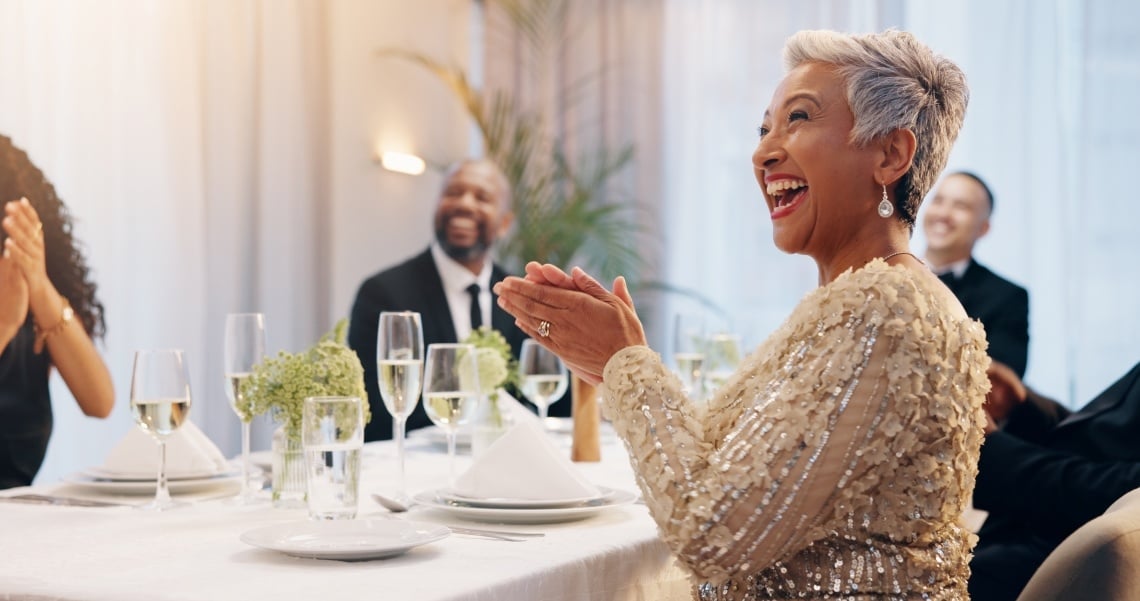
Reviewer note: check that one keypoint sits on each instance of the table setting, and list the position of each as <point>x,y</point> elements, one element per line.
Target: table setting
<point>513,518</point>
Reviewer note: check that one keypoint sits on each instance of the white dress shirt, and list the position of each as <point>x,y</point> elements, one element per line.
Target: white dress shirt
<point>958,268</point>
<point>456,278</point>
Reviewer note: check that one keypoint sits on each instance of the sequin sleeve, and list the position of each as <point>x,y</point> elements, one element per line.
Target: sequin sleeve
<point>795,446</point>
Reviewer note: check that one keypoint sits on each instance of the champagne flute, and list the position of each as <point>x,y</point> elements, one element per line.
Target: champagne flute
<point>543,375</point>
<point>399,368</point>
<point>451,390</point>
<point>689,353</point>
<point>244,348</point>
<point>160,400</point>
<point>723,357</point>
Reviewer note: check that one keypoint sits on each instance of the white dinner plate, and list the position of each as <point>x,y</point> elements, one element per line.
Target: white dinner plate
<point>145,487</point>
<point>516,515</point>
<point>345,539</point>
<point>101,473</point>
<point>505,503</point>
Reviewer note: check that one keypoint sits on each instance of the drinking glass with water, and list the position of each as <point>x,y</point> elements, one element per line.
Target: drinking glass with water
<point>332,435</point>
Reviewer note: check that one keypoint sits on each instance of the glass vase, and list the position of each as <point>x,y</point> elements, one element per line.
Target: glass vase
<point>288,470</point>
<point>491,422</point>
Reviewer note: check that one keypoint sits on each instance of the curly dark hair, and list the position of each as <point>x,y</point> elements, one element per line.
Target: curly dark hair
<point>66,267</point>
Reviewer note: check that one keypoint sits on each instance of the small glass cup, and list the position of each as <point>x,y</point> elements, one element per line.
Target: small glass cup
<point>332,435</point>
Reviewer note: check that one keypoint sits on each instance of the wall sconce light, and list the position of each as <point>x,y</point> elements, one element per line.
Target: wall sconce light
<point>401,162</point>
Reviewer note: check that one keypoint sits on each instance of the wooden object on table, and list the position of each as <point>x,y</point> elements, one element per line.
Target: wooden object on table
<point>587,421</point>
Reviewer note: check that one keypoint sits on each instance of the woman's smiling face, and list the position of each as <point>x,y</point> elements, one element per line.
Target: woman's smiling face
<point>819,187</point>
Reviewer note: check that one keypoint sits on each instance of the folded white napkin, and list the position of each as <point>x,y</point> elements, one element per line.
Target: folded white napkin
<point>516,409</point>
<point>524,464</point>
<point>189,453</point>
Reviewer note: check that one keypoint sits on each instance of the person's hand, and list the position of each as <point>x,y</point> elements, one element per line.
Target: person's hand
<point>13,298</point>
<point>1006,392</point>
<point>587,323</point>
<point>25,243</point>
<point>553,276</point>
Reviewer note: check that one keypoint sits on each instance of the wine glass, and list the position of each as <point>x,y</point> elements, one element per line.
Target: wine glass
<point>244,348</point>
<point>451,390</point>
<point>399,367</point>
<point>722,358</point>
<point>689,352</point>
<point>543,376</point>
<point>160,401</point>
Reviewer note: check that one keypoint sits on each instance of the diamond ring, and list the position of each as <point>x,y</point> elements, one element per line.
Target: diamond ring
<point>544,328</point>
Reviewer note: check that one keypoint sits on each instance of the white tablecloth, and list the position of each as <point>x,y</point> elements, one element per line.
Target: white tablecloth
<point>194,553</point>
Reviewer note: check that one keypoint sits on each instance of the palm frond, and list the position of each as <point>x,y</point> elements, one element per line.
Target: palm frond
<point>565,210</point>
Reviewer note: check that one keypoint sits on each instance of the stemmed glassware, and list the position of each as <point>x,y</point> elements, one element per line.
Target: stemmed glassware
<point>689,344</point>
<point>244,348</point>
<point>451,390</point>
<point>399,369</point>
<point>543,376</point>
<point>722,358</point>
<point>160,401</point>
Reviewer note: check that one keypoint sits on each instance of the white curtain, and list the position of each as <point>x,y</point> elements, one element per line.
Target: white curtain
<point>187,139</point>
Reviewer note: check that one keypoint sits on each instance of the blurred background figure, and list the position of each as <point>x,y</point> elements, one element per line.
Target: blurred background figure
<point>449,283</point>
<point>1044,472</point>
<point>956,217</point>
<point>48,314</point>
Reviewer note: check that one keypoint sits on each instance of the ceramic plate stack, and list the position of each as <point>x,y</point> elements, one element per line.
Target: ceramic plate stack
<point>102,480</point>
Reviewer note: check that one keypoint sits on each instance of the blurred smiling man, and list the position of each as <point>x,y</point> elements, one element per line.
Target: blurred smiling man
<point>448,284</point>
<point>956,217</point>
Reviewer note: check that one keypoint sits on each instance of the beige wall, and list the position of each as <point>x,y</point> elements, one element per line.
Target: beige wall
<point>378,217</point>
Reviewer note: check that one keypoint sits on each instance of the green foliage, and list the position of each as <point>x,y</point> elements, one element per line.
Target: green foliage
<point>497,367</point>
<point>280,384</point>
<point>565,212</point>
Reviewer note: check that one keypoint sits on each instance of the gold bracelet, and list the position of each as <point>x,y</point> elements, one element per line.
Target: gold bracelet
<point>42,334</point>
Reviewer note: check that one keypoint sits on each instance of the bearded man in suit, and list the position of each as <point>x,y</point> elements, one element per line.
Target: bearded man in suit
<point>956,217</point>
<point>1044,472</point>
<point>449,283</point>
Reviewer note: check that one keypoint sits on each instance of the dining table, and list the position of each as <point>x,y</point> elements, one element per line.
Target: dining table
<point>196,552</point>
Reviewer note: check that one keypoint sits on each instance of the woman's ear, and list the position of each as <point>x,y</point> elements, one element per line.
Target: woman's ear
<point>898,155</point>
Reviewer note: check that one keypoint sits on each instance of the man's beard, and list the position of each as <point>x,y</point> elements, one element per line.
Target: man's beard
<point>460,253</point>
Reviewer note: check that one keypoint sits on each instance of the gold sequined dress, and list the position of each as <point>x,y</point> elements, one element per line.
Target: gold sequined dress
<point>835,463</point>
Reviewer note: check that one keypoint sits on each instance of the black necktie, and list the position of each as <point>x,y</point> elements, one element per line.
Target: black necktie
<point>476,311</point>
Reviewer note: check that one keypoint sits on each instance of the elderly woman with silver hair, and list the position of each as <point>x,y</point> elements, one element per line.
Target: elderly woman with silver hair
<point>837,461</point>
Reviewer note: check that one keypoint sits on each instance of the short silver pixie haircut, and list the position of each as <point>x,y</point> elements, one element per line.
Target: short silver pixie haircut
<point>894,82</point>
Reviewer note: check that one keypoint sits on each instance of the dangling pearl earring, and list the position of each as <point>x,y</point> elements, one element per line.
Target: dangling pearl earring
<point>886,209</point>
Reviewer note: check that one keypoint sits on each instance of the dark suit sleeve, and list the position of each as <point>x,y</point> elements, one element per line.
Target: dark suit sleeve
<point>1034,419</point>
<point>362,339</point>
<point>1052,492</point>
<point>1008,332</point>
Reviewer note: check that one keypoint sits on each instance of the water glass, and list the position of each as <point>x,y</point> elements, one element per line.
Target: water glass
<point>332,435</point>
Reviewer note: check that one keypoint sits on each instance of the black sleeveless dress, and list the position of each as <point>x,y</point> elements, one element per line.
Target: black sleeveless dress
<point>25,409</point>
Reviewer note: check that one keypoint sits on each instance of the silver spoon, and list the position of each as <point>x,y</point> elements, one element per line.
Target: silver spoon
<point>391,503</point>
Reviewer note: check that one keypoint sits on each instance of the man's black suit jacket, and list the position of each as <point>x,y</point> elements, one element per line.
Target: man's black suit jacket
<point>415,285</point>
<point>1003,309</point>
<point>1047,473</point>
